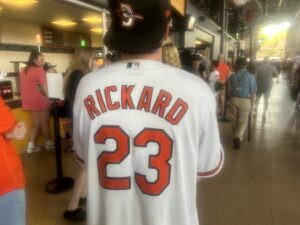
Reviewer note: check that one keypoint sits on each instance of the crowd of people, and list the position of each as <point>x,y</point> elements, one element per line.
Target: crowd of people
<point>145,97</point>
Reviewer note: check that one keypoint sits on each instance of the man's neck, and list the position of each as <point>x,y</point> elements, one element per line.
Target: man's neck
<point>155,55</point>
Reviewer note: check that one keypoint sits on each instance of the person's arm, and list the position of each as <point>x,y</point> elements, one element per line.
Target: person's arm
<point>210,151</point>
<point>9,127</point>
<point>43,89</point>
<point>81,126</point>
<point>73,83</point>
<point>7,119</point>
<point>42,82</point>
<point>18,132</point>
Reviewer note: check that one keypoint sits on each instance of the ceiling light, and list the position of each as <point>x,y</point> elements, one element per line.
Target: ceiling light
<point>19,2</point>
<point>64,23</point>
<point>197,42</point>
<point>92,19</point>
<point>240,2</point>
<point>97,30</point>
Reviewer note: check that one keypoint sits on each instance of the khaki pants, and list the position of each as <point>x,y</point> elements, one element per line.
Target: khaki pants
<point>240,109</point>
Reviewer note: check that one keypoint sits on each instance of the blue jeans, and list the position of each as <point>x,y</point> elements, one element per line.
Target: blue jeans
<point>12,208</point>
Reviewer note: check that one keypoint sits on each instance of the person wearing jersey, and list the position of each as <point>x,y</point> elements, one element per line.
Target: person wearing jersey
<point>146,131</point>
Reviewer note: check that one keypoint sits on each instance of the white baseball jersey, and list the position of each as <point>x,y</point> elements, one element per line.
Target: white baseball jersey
<point>145,130</point>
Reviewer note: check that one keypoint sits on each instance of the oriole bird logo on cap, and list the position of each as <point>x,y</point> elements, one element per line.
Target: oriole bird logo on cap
<point>127,15</point>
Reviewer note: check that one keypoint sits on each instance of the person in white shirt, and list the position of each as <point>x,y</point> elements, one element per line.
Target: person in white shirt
<point>145,130</point>
<point>214,77</point>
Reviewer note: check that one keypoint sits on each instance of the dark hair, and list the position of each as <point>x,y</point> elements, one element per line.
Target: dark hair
<point>201,68</point>
<point>196,57</point>
<point>113,56</point>
<point>215,63</point>
<point>32,57</point>
<point>241,62</point>
<point>186,60</point>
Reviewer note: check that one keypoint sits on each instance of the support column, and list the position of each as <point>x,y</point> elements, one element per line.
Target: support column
<point>104,29</point>
<point>223,13</point>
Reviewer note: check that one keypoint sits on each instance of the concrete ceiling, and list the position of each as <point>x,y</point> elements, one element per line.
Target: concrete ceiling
<point>274,8</point>
<point>45,11</point>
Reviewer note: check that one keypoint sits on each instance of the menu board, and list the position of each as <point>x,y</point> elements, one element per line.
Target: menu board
<point>179,5</point>
<point>63,39</point>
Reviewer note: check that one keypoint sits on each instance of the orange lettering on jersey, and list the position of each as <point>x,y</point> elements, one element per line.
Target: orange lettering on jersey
<point>107,92</point>
<point>89,103</point>
<point>145,100</point>
<point>162,102</point>
<point>126,97</point>
<point>100,101</point>
<point>177,112</point>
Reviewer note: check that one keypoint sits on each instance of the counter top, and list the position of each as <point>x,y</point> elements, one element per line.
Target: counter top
<point>14,103</point>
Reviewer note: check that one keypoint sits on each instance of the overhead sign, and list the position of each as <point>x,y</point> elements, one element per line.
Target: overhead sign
<point>179,5</point>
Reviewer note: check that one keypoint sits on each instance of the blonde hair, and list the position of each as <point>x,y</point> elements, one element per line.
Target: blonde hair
<point>81,61</point>
<point>170,55</point>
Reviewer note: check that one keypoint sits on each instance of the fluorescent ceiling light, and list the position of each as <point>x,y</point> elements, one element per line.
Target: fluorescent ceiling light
<point>92,19</point>
<point>64,23</point>
<point>97,30</point>
<point>19,2</point>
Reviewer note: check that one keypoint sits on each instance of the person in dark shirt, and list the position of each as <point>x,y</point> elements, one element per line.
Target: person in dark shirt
<point>84,62</point>
<point>202,72</point>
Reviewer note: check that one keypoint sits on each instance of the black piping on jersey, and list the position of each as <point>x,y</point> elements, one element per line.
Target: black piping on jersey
<point>81,161</point>
<point>214,171</point>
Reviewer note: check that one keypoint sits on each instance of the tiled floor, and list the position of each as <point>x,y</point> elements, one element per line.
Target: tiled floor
<point>259,184</point>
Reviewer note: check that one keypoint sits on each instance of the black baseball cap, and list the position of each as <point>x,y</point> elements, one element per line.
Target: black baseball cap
<point>242,61</point>
<point>137,26</point>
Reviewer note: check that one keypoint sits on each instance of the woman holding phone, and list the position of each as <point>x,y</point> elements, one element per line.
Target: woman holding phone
<point>35,100</point>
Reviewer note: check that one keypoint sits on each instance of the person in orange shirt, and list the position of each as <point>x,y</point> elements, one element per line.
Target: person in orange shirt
<point>12,181</point>
<point>223,69</point>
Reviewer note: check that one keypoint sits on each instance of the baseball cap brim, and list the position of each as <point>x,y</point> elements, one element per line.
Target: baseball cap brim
<point>134,42</point>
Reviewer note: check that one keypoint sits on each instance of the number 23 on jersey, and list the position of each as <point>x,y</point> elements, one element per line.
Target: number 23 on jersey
<point>159,162</point>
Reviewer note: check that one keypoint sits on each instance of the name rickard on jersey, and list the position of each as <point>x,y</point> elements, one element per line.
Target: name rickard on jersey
<point>98,104</point>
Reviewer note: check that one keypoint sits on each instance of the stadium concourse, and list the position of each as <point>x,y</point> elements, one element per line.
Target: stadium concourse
<point>259,184</point>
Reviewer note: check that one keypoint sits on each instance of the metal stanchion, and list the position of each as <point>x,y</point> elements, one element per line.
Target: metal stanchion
<point>60,184</point>
<point>249,125</point>
<point>224,119</point>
